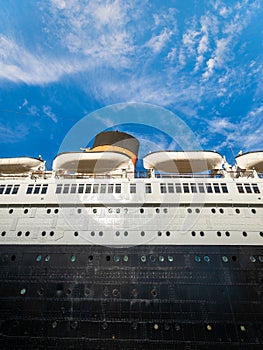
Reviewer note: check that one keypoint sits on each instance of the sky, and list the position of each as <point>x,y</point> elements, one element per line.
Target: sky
<point>64,60</point>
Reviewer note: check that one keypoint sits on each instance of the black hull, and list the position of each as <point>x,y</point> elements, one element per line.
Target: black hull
<point>145,297</point>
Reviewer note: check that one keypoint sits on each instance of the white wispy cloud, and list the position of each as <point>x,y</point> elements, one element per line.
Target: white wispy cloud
<point>12,134</point>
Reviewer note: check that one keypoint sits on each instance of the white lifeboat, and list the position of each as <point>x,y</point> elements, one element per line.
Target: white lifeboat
<point>20,165</point>
<point>183,162</point>
<point>250,160</point>
<point>90,162</point>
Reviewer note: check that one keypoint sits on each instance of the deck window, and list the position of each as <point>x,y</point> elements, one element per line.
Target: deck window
<point>15,189</point>
<point>88,188</point>
<point>95,188</point>
<point>178,188</point>
<point>37,189</point>
<point>66,188</point>
<point>163,188</point>
<point>132,188</point>
<point>255,188</point>
<point>240,188</point>
<point>171,188</point>
<point>193,188</point>
<point>148,188</point>
<point>103,188</point>
<point>73,188</point>
<point>186,188</point>
<point>44,189</point>
<point>81,188</point>
<point>208,188</point>
<point>118,188</point>
<point>58,189</point>
<point>224,188</point>
<point>2,187</point>
<point>248,188</point>
<point>8,189</point>
<point>110,188</point>
<point>216,188</point>
<point>201,188</point>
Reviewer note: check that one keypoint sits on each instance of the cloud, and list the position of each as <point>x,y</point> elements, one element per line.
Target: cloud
<point>48,112</point>
<point>12,134</point>
<point>158,42</point>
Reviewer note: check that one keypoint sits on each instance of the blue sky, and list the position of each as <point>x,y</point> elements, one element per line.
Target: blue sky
<point>61,60</point>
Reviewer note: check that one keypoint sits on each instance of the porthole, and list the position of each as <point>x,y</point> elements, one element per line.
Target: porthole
<point>117,233</point>
<point>110,210</point>
<point>156,326</point>
<point>76,234</point>
<point>52,233</point>
<point>94,211</point>
<point>221,211</point>
<point>161,258</point>
<point>23,291</point>
<point>206,258</point>
<point>166,327</point>
<point>209,327</point>
<point>27,233</point>
<point>73,258</point>
<point>189,210</point>
<point>56,211</point>
<point>170,258</point>
<point>117,258</point>
<point>157,210</point>
<point>115,292</point>
<point>92,233</point>
<point>107,258</point>
<point>125,258</point>
<point>90,258</point>
<point>244,233</point>
<point>234,258</point>
<point>79,211</point>
<point>19,233</point>
<point>261,234</point>
<point>154,293</point>
<point>104,325</point>
<point>13,257</point>
<point>177,327</point>
<point>43,233</point>
<point>48,211</point>
<point>11,211</point>
<point>47,258</point>
<point>25,211</point>
<point>197,211</point>
<point>142,233</point>
<point>252,259</point>
<point>193,233</point>
<point>118,210</point>
<point>197,258</point>
<point>40,292</point>
<point>253,211</point>
<point>68,292</point>
<point>152,258</point>
<point>54,324</point>
<point>213,210</point>
<point>38,258</point>
<point>260,258</point>
<point>3,233</point>
<point>125,233</point>
<point>100,233</point>
<point>165,210</point>
<point>237,211</point>
<point>159,233</point>
<point>168,233</point>
<point>202,233</point>
<point>227,234</point>
<point>219,233</point>
<point>141,210</point>
<point>225,259</point>
<point>143,258</point>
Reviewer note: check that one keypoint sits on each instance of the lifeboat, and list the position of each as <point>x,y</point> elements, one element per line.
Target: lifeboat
<point>20,165</point>
<point>183,162</point>
<point>250,161</point>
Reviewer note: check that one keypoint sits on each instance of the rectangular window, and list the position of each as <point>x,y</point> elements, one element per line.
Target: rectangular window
<point>81,188</point>
<point>148,188</point>
<point>44,189</point>
<point>66,188</point>
<point>171,188</point>
<point>58,189</point>
<point>255,188</point>
<point>178,188</point>
<point>8,189</point>
<point>88,188</point>
<point>118,188</point>
<point>224,188</point>
<point>208,188</point>
<point>2,187</point>
<point>240,188</point>
<point>37,189</point>
<point>103,188</point>
<point>15,189</point>
<point>95,188</point>
<point>163,188</point>
<point>201,188</point>
<point>186,188</point>
<point>110,188</point>
<point>132,188</point>
<point>216,188</point>
<point>193,188</point>
<point>73,188</point>
<point>248,188</point>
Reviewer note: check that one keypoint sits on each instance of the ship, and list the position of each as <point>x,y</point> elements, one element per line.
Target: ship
<point>98,255</point>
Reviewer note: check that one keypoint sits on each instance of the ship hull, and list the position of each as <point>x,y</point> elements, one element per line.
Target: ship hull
<point>144,297</point>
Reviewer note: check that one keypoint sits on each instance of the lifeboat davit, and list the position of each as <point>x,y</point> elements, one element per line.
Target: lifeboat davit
<point>20,165</point>
<point>250,161</point>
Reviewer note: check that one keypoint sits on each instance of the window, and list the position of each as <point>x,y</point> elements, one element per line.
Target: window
<point>81,188</point>
<point>44,189</point>
<point>37,189</point>
<point>132,188</point>
<point>2,187</point>
<point>178,188</point>
<point>193,188</point>
<point>58,189</point>
<point>15,189</point>
<point>201,188</point>
<point>103,188</point>
<point>8,189</point>
<point>163,188</point>
<point>240,188</point>
<point>255,188</point>
<point>95,188</point>
<point>248,188</point>
<point>171,188</point>
<point>186,188</point>
<point>66,188</point>
<point>224,188</point>
<point>73,188</point>
<point>110,188</point>
<point>208,188</point>
<point>118,188</point>
<point>88,188</point>
<point>216,188</point>
<point>148,188</point>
